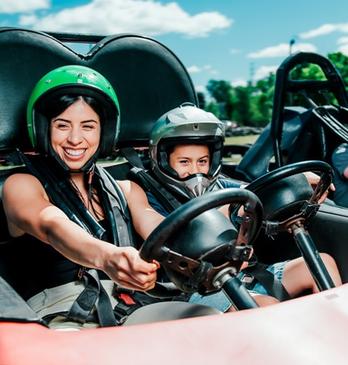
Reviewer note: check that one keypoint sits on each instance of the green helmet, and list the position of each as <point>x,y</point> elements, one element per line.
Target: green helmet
<point>73,80</point>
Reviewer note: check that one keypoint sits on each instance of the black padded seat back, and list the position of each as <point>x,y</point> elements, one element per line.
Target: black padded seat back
<point>310,143</point>
<point>257,159</point>
<point>10,269</point>
<point>148,78</point>
<point>4,174</point>
<point>308,134</point>
<point>25,57</point>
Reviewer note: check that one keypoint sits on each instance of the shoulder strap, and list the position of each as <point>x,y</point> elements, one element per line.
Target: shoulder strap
<point>147,182</point>
<point>118,214</point>
<point>61,194</point>
<point>131,155</point>
<point>94,294</point>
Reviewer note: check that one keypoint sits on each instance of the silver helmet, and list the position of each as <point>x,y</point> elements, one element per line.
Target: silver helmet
<point>186,124</point>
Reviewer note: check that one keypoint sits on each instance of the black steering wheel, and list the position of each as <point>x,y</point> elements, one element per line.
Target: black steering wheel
<point>289,202</point>
<point>284,191</point>
<point>155,247</point>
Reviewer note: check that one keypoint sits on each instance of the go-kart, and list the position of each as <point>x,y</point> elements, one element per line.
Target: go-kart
<point>150,80</point>
<point>308,123</point>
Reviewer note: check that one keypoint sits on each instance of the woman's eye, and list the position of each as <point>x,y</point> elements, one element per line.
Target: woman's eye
<point>88,127</point>
<point>62,126</point>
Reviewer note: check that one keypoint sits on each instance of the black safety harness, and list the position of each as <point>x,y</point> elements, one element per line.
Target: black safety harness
<point>61,194</point>
<point>256,271</point>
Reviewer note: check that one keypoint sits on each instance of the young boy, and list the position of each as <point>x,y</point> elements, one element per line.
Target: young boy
<point>186,151</point>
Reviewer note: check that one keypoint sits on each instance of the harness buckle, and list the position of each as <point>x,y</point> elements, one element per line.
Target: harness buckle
<point>81,273</point>
<point>126,298</point>
<point>247,279</point>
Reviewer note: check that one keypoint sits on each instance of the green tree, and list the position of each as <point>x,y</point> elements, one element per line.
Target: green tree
<point>341,62</point>
<point>213,107</point>
<point>260,109</point>
<point>221,91</point>
<point>262,100</point>
<point>252,104</point>
<point>241,101</point>
<point>201,100</point>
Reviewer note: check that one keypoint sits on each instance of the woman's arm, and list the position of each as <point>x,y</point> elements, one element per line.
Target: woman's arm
<point>28,210</point>
<point>145,218</point>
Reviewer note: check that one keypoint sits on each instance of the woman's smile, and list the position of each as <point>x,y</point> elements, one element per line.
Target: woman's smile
<point>74,153</point>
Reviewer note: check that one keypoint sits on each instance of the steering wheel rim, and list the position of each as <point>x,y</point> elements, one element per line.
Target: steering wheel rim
<point>293,209</point>
<point>293,169</point>
<point>154,246</point>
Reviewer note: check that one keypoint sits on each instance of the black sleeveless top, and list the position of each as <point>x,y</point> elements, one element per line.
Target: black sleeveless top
<point>41,267</point>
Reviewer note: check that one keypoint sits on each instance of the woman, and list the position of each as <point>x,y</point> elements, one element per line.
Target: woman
<point>63,200</point>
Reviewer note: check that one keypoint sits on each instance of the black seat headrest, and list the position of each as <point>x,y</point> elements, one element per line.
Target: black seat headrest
<point>25,57</point>
<point>148,78</point>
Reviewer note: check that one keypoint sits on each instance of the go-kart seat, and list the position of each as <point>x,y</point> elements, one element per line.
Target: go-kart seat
<point>295,133</point>
<point>308,134</point>
<point>256,161</point>
<point>148,78</point>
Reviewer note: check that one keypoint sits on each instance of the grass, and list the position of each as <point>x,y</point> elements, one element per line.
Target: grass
<point>238,140</point>
<point>241,140</point>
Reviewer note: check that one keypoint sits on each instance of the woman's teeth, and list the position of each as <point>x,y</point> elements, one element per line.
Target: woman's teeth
<point>75,152</point>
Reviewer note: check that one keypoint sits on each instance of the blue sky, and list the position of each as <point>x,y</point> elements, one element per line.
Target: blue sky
<point>234,40</point>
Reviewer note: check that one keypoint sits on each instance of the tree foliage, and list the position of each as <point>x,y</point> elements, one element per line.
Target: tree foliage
<point>251,105</point>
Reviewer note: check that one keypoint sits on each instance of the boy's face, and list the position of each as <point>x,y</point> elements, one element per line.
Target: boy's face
<point>190,159</point>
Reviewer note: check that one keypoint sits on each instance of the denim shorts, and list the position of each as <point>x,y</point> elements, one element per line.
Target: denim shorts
<point>221,301</point>
<point>218,300</point>
<point>276,269</point>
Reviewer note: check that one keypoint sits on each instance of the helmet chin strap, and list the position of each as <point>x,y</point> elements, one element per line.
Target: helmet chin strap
<point>86,168</point>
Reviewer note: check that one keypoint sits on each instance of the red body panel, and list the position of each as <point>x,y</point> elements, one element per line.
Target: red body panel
<point>309,330</point>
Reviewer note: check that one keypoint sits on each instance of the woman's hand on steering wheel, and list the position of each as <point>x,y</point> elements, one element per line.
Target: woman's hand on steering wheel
<point>125,267</point>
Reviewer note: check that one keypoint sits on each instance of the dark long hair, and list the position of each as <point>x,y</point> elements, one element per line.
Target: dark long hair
<point>52,106</point>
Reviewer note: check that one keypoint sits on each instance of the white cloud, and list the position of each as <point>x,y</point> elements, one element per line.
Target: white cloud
<point>194,69</point>
<point>22,6</point>
<point>343,45</point>
<point>260,73</point>
<point>200,89</point>
<point>239,82</point>
<point>282,50</point>
<point>342,40</point>
<point>344,49</point>
<point>325,29</point>
<point>149,17</point>
<point>264,71</point>
<point>235,51</point>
